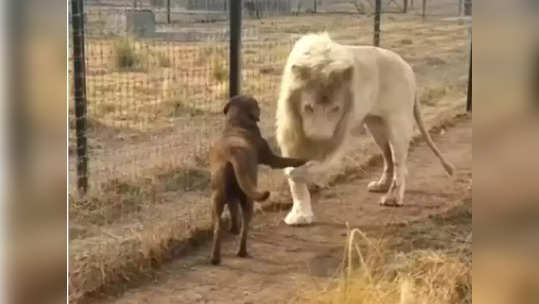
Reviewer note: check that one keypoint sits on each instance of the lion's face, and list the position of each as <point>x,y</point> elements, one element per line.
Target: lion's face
<point>322,105</point>
<point>321,112</point>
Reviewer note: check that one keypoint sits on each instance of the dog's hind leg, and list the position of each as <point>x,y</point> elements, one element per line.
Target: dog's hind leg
<point>218,201</point>
<point>247,211</point>
<point>233,208</point>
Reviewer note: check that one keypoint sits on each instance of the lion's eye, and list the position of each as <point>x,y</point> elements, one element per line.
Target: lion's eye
<point>309,108</point>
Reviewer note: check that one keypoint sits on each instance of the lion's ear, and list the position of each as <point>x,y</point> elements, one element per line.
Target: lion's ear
<point>301,72</point>
<point>226,107</point>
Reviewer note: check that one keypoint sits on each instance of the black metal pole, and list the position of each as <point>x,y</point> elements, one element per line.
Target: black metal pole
<point>405,7</point>
<point>468,7</point>
<point>377,13</point>
<point>315,7</point>
<point>235,47</point>
<point>168,11</point>
<point>469,101</point>
<point>79,74</point>
<point>19,131</point>
<point>424,10</point>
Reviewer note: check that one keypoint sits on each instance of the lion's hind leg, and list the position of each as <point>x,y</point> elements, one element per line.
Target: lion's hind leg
<point>218,202</point>
<point>379,131</point>
<point>400,134</point>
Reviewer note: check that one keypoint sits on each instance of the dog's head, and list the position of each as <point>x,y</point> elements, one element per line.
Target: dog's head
<point>243,108</point>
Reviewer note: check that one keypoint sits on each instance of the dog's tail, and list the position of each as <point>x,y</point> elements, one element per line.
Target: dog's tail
<point>418,118</point>
<point>245,180</point>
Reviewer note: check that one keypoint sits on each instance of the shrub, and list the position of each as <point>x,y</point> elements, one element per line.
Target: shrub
<point>126,57</point>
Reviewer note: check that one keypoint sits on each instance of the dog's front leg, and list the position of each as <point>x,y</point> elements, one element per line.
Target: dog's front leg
<point>278,162</point>
<point>315,171</point>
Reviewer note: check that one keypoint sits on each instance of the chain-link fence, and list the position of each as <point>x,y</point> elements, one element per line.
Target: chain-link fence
<point>155,90</point>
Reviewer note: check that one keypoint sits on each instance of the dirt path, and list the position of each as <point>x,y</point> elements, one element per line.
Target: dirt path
<point>285,259</point>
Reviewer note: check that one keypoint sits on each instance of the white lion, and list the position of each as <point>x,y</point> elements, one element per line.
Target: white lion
<point>328,92</point>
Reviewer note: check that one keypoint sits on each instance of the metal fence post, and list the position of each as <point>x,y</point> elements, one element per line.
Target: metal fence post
<point>469,97</point>
<point>79,76</point>
<point>405,6</point>
<point>168,11</point>
<point>377,13</point>
<point>468,7</point>
<point>235,47</point>
<point>424,9</point>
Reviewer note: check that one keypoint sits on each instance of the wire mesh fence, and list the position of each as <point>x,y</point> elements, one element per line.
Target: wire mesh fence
<point>155,92</point>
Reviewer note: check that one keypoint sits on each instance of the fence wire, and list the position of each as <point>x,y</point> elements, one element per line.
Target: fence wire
<point>155,92</point>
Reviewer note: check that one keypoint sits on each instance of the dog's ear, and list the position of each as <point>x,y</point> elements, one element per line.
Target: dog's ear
<point>226,107</point>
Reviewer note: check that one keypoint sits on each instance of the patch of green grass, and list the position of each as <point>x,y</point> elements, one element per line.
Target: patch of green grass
<point>127,58</point>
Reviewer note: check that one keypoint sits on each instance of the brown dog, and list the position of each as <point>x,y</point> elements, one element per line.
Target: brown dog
<point>234,160</point>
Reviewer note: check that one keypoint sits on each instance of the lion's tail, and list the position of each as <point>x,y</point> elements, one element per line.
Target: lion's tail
<point>449,168</point>
<point>245,181</point>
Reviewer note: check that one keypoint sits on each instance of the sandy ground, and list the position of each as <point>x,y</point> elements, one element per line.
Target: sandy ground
<point>284,260</point>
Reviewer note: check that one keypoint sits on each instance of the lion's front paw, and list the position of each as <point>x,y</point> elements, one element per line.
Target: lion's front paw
<point>299,218</point>
<point>305,173</point>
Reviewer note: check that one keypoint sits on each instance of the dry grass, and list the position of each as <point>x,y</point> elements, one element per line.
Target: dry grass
<point>109,258</point>
<point>219,69</point>
<point>382,277</point>
<point>126,227</point>
<point>163,60</point>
